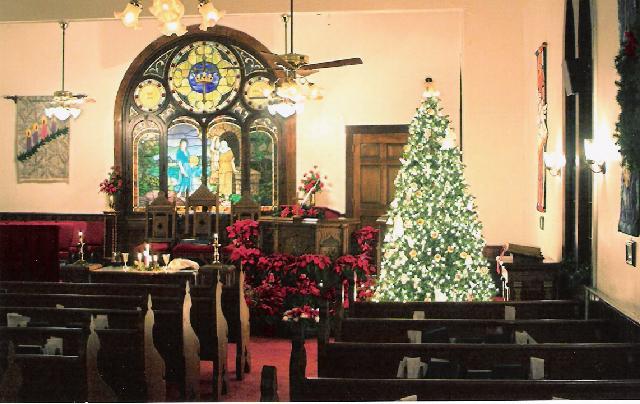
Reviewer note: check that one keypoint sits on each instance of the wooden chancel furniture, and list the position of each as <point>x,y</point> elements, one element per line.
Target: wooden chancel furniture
<point>160,224</point>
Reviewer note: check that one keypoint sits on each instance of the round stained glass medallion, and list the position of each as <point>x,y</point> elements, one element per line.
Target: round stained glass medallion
<point>204,77</point>
<point>256,91</point>
<point>149,95</point>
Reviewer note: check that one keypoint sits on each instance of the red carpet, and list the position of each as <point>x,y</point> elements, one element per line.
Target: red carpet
<point>264,351</point>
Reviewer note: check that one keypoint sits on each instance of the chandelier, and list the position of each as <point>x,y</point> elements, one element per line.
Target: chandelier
<point>169,13</point>
<point>65,104</point>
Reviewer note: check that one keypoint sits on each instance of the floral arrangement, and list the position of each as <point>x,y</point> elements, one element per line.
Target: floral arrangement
<point>312,181</point>
<point>113,183</point>
<point>301,313</point>
<point>285,287</point>
<point>244,233</point>
<point>285,211</point>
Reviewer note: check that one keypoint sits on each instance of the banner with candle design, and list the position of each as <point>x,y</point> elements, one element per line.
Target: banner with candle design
<point>42,144</point>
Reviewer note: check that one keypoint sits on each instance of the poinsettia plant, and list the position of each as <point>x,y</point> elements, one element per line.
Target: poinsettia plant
<point>299,211</point>
<point>113,183</point>
<point>243,233</point>
<point>301,313</point>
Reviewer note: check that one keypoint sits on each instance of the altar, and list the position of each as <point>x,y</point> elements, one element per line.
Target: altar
<point>331,237</point>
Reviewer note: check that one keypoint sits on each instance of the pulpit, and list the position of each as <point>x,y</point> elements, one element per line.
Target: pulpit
<point>330,237</point>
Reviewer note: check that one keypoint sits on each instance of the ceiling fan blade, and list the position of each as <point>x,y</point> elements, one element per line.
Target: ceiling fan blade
<point>278,60</point>
<point>304,72</point>
<point>333,63</point>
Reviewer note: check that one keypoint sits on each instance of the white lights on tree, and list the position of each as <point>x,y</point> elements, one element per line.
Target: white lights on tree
<point>434,250</point>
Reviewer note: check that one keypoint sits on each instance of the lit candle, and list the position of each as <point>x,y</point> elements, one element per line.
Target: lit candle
<point>80,236</point>
<point>147,248</point>
<point>155,259</point>
<point>139,257</point>
<point>215,238</point>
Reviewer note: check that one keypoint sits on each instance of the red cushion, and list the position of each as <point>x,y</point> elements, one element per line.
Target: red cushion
<point>193,248</point>
<point>154,247</point>
<point>94,233</point>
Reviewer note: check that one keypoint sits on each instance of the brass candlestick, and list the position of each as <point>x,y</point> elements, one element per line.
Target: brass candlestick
<point>216,252</point>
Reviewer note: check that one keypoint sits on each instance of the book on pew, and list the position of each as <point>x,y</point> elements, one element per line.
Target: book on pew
<point>415,336</point>
<point>484,374</point>
<point>411,368</point>
<point>509,313</point>
<point>409,398</point>
<point>537,368</point>
<point>418,315</point>
<point>438,368</point>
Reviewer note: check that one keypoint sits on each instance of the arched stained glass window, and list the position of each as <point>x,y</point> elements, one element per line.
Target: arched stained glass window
<point>146,162</point>
<point>184,158</point>
<point>190,110</point>
<point>263,136</point>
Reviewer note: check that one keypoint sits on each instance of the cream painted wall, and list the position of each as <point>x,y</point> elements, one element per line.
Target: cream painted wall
<point>486,37</point>
<point>613,275</point>
<point>545,23</point>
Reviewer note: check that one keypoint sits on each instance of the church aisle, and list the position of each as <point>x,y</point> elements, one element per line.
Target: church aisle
<point>264,351</point>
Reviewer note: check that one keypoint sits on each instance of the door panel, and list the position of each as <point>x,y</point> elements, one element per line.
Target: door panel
<point>373,161</point>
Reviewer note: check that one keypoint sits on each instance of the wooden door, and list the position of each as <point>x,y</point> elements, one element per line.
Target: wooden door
<point>373,161</point>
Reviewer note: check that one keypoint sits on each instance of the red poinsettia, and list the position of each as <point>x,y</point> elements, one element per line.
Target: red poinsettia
<point>367,238</point>
<point>243,233</point>
<point>113,183</point>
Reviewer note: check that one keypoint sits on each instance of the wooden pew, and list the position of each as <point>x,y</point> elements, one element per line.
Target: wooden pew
<point>167,330</point>
<point>206,317</point>
<point>562,361</point>
<point>335,390</point>
<point>361,388</point>
<point>122,354</point>
<point>542,331</point>
<point>537,309</point>
<point>45,377</point>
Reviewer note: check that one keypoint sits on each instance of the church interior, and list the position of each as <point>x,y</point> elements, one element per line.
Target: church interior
<point>319,200</point>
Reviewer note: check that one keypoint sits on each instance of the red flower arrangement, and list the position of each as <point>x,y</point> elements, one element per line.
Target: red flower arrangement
<point>312,181</point>
<point>367,237</point>
<point>113,183</point>
<point>305,312</point>
<point>243,233</point>
<point>280,286</point>
<point>299,211</point>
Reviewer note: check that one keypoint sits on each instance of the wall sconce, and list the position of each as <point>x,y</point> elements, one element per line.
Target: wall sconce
<point>554,162</point>
<point>594,154</point>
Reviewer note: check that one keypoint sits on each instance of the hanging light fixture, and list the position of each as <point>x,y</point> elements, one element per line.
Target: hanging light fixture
<point>169,13</point>
<point>130,15</point>
<point>65,104</point>
<point>210,14</point>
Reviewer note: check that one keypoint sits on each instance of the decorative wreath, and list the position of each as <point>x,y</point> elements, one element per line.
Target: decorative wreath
<point>628,125</point>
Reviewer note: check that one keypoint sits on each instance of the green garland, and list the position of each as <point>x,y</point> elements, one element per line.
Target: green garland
<point>628,125</point>
<point>27,155</point>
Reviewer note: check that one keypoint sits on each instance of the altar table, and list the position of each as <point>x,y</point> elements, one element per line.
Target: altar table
<point>117,274</point>
<point>292,236</point>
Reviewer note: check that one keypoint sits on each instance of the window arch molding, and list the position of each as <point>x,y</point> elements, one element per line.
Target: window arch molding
<point>124,123</point>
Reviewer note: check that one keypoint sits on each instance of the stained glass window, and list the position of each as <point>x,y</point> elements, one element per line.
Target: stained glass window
<point>146,163</point>
<point>224,139</point>
<point>263,162</point>
<point>184,158</point>
<point>204,76</point>
<point>191,109</point>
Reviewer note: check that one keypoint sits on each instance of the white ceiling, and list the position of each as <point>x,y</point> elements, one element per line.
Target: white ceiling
<point>70,10</point>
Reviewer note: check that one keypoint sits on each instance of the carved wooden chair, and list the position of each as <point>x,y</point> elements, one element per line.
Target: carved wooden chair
<point>246,208</point>
<point>201,210</point>
<point>159,225</point>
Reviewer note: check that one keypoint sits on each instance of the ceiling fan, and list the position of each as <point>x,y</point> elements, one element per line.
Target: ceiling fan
<point>65,103</point>
<point>296,63</point>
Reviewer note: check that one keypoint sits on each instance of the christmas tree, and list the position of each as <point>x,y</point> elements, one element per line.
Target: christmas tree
<point>433,252</point>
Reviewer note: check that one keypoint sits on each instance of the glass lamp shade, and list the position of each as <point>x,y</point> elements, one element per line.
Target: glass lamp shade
<point>285,108</point>
<point>554,161</point>
<point>129,16</point>
<point>173,27</point>
<point>210,15</point>
<point>62,113</point>
<point>167,10</point>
